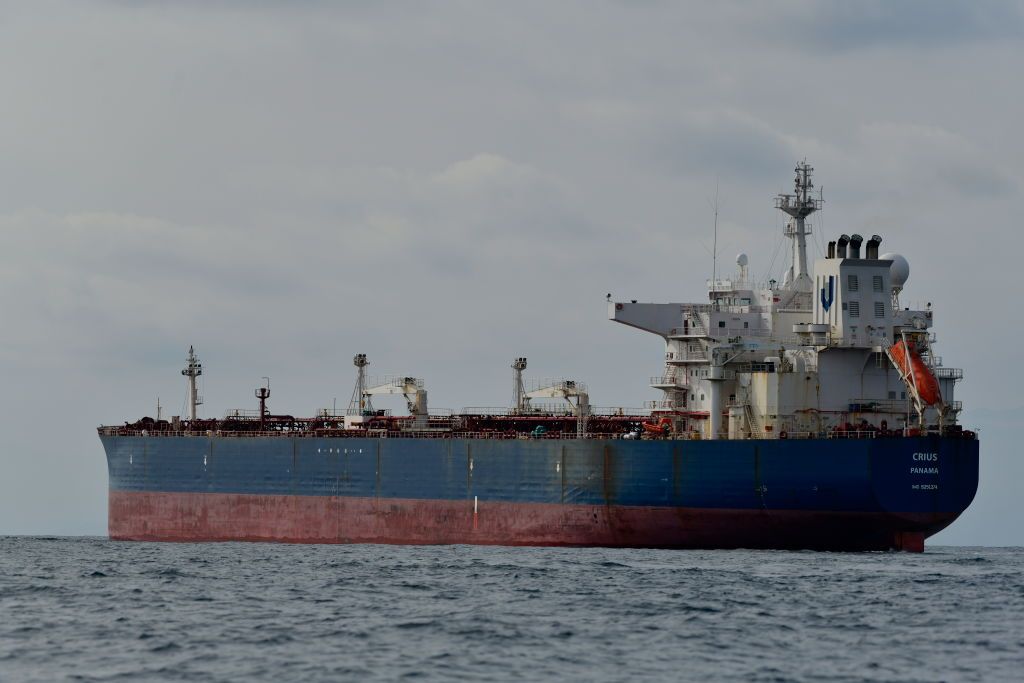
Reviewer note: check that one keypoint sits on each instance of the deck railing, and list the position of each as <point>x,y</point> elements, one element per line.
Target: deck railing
<point>488,435</point>
<point>949,373</point>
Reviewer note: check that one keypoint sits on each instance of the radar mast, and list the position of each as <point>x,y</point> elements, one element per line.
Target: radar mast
<point>799,206</point>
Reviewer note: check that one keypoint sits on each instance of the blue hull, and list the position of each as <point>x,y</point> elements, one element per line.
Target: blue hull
<point>818,493</point>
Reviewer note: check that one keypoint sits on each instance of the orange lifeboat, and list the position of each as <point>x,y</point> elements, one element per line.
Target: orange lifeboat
<point>911,365</point>
<point>663,426</point>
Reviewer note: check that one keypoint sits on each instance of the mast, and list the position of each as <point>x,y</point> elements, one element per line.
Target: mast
<point>193,368</point>
<point>263,393</point>
<point>519,400</point>
<point>799,206</point>
<point>360,402</point>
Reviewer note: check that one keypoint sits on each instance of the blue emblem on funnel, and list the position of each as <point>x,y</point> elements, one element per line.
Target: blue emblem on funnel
<point>828,294</point>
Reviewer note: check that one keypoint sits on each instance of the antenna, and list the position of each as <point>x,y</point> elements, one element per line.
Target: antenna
<point>714,254</point>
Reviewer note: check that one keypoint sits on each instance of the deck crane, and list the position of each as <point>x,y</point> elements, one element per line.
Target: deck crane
<point>567,389</point>
<point>409,387</point>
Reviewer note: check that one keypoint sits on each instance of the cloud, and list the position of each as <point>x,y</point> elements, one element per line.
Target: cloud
<point>930,156</point>
<point>903,25</point>
<point>485,170</point>
<point>712,141</point>
<point>139,279</point>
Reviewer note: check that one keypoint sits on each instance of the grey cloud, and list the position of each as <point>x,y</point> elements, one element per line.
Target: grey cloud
<point>902,24</point>
<point>921,162</point>
<point>723,141</point>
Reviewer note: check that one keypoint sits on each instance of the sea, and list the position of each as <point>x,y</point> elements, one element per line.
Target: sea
<point>90,609</point>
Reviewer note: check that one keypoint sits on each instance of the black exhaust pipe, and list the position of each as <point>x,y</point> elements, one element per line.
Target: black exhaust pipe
<point>855,242</point>
<point>871,252</point>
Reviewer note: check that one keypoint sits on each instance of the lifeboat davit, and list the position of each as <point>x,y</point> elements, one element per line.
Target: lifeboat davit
<point>910,363</point>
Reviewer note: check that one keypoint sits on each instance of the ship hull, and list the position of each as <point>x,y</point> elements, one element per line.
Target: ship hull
<point>871,494</point>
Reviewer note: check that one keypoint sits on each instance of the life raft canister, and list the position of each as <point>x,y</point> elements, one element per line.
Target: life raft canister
<point>910,363</point>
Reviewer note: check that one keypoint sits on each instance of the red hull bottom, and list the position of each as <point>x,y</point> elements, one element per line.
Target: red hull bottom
<point>197,517</point>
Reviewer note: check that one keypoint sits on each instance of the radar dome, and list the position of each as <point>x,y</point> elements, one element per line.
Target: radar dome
<point>741,260</point>
<point>899,271</point>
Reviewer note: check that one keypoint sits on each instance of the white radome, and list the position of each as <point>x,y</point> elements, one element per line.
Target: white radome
<point>741,260</point>
<point>899,271</point>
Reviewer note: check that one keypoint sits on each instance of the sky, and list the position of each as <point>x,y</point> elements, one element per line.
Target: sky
<point>445,186</point>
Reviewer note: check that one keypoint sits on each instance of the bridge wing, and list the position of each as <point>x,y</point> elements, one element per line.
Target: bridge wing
<point>660,319</point>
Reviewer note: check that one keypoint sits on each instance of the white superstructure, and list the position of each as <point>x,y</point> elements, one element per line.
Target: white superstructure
<point>818,353</point>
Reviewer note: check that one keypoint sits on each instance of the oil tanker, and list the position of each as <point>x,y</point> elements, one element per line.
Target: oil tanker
<point>810,413</point>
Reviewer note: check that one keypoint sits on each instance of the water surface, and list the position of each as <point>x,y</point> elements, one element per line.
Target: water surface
<point>88,609</point>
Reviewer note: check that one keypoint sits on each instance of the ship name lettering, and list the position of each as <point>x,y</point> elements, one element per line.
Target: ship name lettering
<point>927,457</point>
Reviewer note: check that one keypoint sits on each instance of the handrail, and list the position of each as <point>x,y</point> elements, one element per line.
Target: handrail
<point>487,435</point>
<point>664,404</point>
<point>549,409</point>
<point>949,373</point>
<point>241,413</point>
<point>877,405</point>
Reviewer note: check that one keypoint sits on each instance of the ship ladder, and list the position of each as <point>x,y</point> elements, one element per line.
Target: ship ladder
<point>696,324</point>
<point>756,430</point>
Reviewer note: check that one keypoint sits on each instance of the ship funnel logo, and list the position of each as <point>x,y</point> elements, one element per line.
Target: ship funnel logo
<point>828,293</point>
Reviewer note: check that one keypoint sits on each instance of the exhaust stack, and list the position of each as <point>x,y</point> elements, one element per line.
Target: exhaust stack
<point>855,243</point>
<point>871,252</point>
